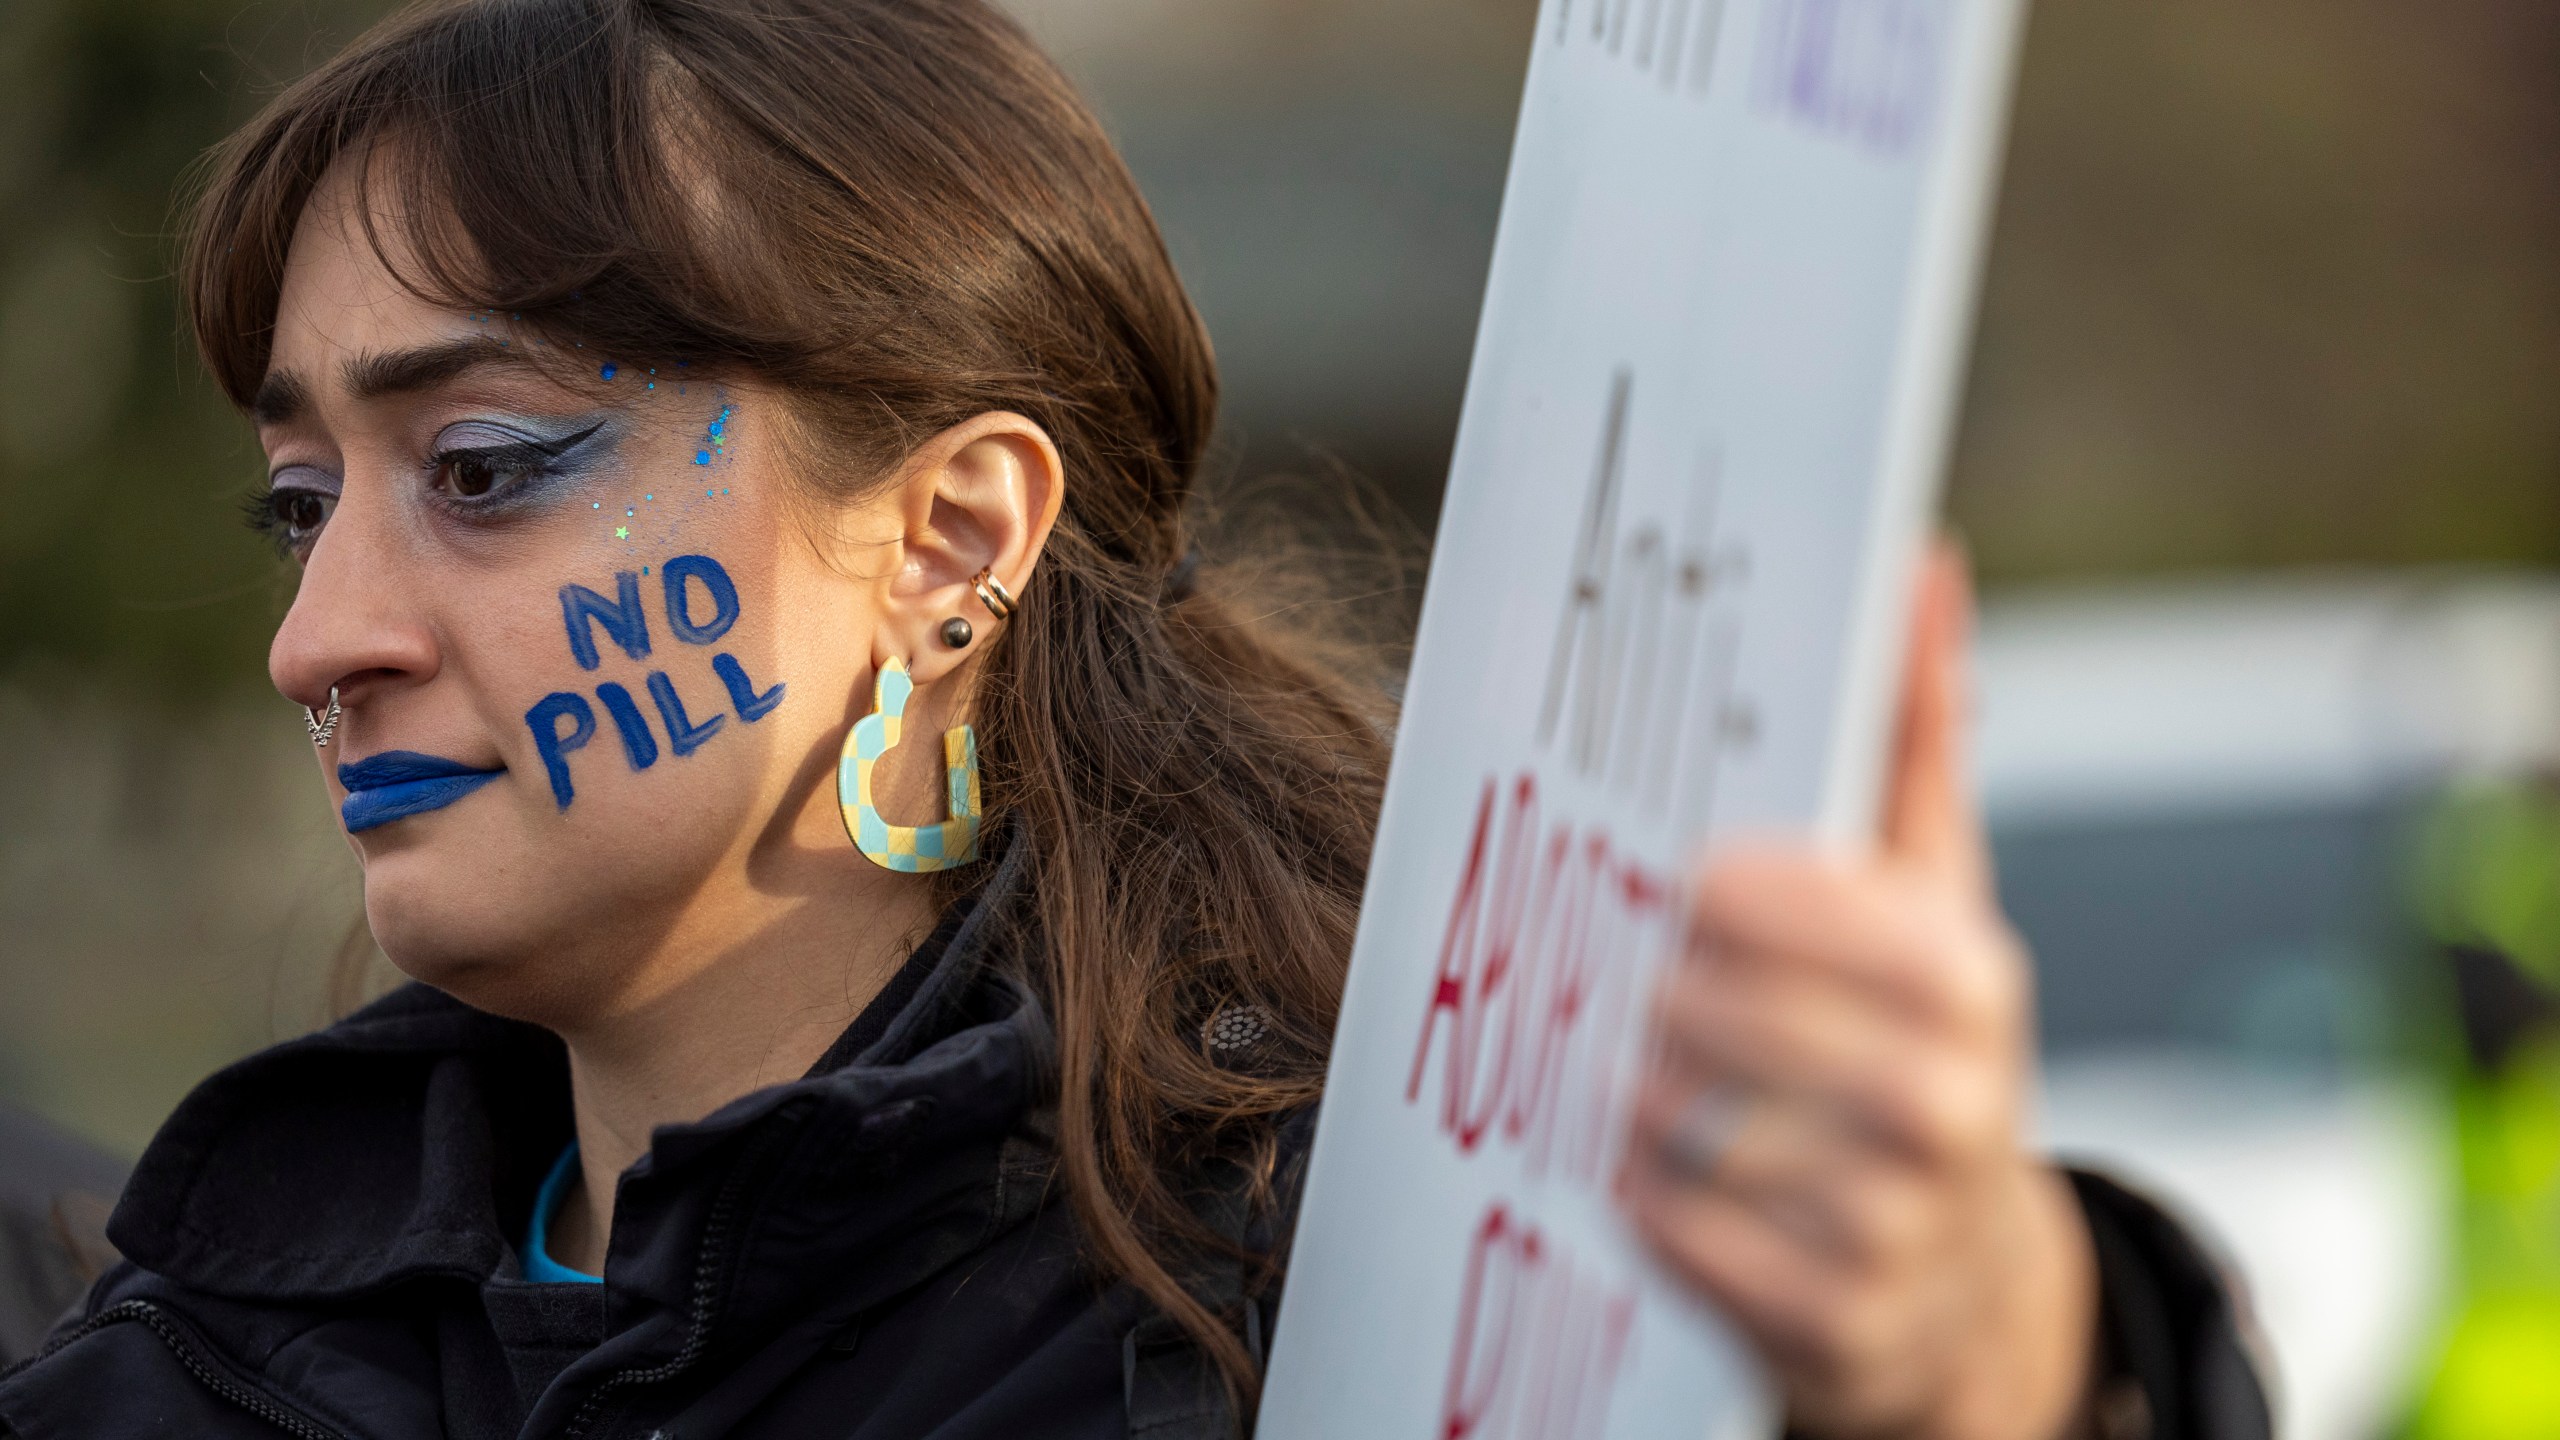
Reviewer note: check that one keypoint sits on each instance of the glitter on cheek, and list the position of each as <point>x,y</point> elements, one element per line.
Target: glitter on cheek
<point>609,370</point>
<point>621,532</point>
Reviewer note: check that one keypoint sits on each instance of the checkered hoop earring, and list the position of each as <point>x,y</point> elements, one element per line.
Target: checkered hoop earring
<point>906,848</point>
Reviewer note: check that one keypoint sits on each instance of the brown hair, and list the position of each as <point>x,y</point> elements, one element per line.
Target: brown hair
<point>899,213</point>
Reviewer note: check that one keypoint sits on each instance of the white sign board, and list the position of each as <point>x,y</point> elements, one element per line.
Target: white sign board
<point>1710,400</point>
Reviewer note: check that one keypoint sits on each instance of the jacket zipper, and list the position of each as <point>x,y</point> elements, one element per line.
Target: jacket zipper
<point>705,1304</point>
<point>210,1374</point>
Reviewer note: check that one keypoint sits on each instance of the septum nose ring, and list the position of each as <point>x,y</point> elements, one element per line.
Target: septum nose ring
<point>322,726</point>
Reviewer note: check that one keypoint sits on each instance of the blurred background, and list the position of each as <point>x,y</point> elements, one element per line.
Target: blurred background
<point>2260,461</point>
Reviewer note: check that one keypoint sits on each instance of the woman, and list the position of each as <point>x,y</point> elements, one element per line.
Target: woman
<point>671,404</point>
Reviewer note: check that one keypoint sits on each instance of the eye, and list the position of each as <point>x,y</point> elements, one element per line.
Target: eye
<point>290,516</point>
<point>471,474</point>
<point>491,473</point>
<point>303,511</point>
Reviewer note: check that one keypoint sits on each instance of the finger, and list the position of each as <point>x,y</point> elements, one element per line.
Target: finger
<point>1942,958</point>
<point>1899,1090</point>
<point>1773,1030</point>
<point>1784,1293</point>
<point>1930,819</point>
<point>1805,1174</point>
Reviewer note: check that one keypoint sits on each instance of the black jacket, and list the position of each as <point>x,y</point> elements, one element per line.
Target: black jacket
<point>320,1243</point>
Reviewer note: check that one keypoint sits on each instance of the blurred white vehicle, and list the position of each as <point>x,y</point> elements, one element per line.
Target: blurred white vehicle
<point>2201,796</point>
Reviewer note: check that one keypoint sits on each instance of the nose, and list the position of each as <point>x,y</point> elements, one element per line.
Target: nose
<point>355,623</point>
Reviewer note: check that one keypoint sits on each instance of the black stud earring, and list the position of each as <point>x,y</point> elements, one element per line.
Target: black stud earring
<point>956,633</point>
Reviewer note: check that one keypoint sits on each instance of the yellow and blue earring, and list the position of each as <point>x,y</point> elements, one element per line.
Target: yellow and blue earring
<point>907,848</point>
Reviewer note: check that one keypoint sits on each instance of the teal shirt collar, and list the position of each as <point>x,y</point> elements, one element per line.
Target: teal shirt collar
<point>538,1264</point>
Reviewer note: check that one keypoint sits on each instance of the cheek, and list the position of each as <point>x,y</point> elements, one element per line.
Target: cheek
<point>655,681</point>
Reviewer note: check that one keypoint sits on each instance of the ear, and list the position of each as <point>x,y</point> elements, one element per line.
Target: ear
<point>982,495</point>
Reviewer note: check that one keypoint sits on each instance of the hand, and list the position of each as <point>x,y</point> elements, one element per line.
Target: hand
<point>1828,1144</point>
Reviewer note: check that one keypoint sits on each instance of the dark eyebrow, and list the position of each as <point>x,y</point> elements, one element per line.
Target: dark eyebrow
<point>398,372</point>
<point>283,395</point>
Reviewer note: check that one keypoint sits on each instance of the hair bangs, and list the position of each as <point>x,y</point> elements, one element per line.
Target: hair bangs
<point>578,195</point>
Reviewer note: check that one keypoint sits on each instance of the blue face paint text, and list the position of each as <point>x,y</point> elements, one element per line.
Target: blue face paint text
<point>689,584</point>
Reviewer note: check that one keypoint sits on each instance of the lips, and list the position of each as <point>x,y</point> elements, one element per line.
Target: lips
<point>397,784</point>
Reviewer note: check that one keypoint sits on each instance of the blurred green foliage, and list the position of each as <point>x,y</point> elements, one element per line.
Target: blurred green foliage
<point>120,464</point>
<point>2488,894</point>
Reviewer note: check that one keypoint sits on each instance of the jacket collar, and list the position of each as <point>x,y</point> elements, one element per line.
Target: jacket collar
<point>405,1143</point>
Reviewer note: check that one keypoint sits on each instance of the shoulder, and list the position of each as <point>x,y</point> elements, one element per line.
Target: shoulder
<point>55,1190</point>
<point>1292,1141</point>
<point>2181,1346</point>
<point>141,1357</point>
<point>1248,1196</point>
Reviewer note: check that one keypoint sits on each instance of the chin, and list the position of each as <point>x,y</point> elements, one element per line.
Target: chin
<point>457,942</point>
<point>511,908</point>
<point>459,918</point>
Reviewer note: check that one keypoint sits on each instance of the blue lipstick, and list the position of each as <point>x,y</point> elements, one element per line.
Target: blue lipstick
<point>397,784</point>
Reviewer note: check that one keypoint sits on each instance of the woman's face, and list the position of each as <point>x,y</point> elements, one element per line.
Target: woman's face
<point>595,655</point>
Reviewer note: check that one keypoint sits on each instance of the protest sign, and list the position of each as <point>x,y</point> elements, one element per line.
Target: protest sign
<point>1711,396</point>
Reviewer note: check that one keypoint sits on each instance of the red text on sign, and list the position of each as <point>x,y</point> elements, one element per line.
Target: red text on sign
<point>1529,1002</point>
<point>1540,1344</point>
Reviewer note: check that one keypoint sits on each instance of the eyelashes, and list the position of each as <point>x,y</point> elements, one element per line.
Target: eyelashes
<point>289,514</point>
<point>478,480</point>
<point>473,482</point>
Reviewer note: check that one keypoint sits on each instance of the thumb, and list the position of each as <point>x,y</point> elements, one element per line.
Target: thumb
<point>1931,821</point>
